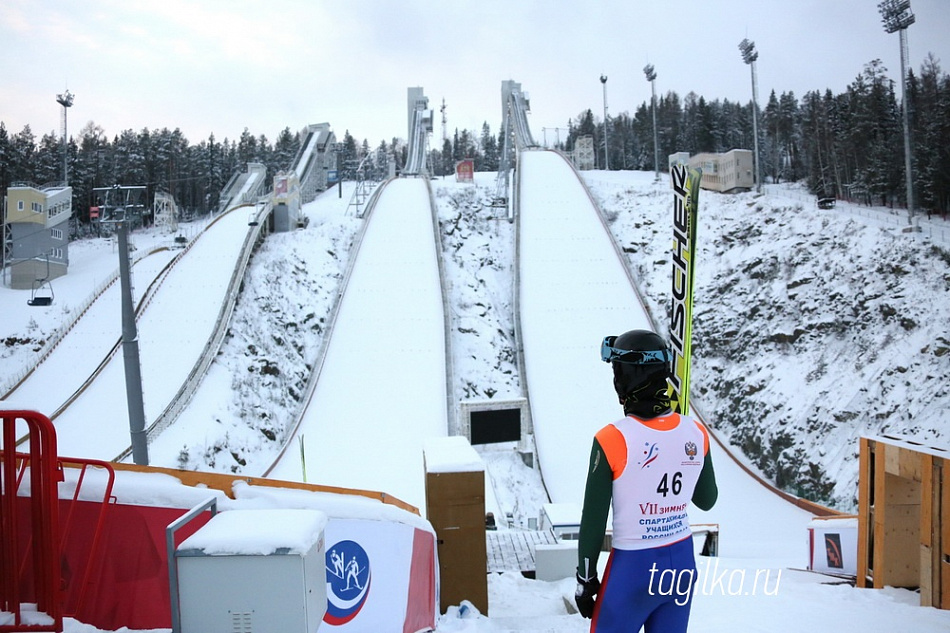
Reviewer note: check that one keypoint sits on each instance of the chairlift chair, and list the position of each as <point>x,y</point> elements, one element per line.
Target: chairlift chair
<point>42,294</point>
<point>253,215</point>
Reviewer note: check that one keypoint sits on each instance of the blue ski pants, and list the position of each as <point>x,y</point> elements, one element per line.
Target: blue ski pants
<point>650,588</point>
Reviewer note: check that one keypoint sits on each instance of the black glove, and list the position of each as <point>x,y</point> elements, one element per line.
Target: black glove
<point>584,594</point>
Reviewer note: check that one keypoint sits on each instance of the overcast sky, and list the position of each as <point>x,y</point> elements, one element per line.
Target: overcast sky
<point>218,66</point>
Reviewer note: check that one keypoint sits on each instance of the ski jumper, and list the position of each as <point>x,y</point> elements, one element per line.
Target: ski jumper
<point>649,470</point>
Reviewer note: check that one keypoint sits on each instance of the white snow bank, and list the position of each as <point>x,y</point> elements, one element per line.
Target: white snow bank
<point>258,532</point>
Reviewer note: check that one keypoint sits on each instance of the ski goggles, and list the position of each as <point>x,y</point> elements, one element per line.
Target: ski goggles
<point>609,353</point>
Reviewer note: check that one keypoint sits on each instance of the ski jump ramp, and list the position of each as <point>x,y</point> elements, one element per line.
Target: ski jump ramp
<point>190,297</point>
<point>382,388</point>
<point>574,289</point>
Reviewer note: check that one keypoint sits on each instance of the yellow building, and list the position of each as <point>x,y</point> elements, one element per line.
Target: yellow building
<point>36,229</point>
<point>731,171</point>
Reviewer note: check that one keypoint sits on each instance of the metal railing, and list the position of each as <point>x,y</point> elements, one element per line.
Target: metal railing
<point>30,575</point>
<point>190,386</point>
<point>209,504</point>
<point>935,227</point>
<point>310,387</point>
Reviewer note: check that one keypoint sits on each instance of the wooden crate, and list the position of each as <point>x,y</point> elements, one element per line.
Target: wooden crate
<point>904,517</point>
<point>455,506</point>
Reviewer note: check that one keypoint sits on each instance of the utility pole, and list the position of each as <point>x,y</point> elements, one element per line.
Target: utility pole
<point>603,80</point>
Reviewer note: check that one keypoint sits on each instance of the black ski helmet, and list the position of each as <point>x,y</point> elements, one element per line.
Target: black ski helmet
<point>641,364</point>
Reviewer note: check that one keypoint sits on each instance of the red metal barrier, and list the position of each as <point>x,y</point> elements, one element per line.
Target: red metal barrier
<point>32,576</point>
<point>75,600</point>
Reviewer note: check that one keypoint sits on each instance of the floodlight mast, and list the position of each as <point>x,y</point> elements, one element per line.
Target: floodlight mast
<point>650,73</point>
<point>897,16</point>
<point>603,80</point>
<point>749,55</point>
<point>65,100</point>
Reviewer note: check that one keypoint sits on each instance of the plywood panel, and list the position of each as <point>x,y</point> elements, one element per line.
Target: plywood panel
<point>945,509</point>
<point>892,459</point>
<point>910,463</point>
<point>902,547</point>
<point>928,501</point>
<point>926,577</point>
<point>865,516</point>
<point>880,514</point>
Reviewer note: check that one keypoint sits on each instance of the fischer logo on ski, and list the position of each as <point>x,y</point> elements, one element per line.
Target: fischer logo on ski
<point>685,182</point>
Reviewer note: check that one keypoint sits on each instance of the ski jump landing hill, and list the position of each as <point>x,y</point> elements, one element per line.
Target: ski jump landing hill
<point>73,395</point>
<point>383,379</point>
<point>393,545</point>
<point>573,290</point>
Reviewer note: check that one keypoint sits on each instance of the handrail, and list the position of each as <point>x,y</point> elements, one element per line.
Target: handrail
<point>225,484</point>
<point>107,499</point>
<point>43,554</point>
<point>143,304</point>
<point>146,296</point>
<point>515,212</point>
<point>19,377</point>
<point>190,385</point>
<point>805,504</point>
<point>415,163</point>
<point>180,522</point>
<point>450,408</point>
<point>613,240</point>
<point>311,385</point>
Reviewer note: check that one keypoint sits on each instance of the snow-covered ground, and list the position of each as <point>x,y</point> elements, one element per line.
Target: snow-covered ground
<point>235,424</point>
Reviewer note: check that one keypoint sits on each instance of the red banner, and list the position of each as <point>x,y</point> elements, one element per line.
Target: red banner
<point>465,170</point>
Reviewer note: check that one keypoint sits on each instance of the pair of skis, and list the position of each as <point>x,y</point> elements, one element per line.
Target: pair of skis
<point>685,181</point>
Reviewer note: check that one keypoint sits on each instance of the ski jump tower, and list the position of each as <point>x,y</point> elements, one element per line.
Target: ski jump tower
<point>515,134</point>
<point>420,126</point>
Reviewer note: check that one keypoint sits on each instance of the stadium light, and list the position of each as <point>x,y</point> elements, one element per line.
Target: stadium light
<point>650,73</point>
<point>603,80</point>
<point>749,56</point>
<point>897,16</point>
<point>65,100</point>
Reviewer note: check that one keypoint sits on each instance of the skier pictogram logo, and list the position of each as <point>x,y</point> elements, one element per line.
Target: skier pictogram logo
<point>348,581</point>
<point>650,453</point>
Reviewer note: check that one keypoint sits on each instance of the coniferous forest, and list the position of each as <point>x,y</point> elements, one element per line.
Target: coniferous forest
<point>850,145</point>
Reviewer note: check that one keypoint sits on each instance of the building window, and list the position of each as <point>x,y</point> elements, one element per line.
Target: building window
<point>56,209</point>
<point>19,205</point>
<point>56,253</point>
<point>56,234</point>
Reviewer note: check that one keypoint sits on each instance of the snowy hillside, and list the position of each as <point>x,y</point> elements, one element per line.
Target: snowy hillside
<point>792,377</point>
<point>813,327</point>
